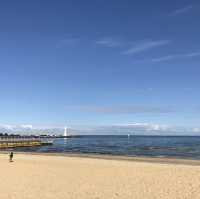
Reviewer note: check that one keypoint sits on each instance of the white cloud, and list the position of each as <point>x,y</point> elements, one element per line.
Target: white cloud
<point>26,126</point>
<point>193,54</point>
<point>170,57</point>
<point>196,130</point>
<point>130,128</point>
<point>145,45</point>
<point>181,10</point>
<point>147,126</point>
<point>12,127</point>
<point>165,58</point>
<point>6,126</point>
<point>133,47</point>
<point>109,42</point>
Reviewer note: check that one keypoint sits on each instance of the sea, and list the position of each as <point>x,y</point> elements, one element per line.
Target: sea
<point>150,146</point>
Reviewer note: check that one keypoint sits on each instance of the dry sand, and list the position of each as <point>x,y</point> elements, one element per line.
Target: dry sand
<point>57,177</point>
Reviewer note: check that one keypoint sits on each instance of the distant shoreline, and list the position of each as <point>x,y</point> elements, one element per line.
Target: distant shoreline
<point>160,160</point>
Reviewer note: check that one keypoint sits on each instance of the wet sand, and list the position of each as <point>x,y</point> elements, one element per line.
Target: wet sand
<point>63,177</point>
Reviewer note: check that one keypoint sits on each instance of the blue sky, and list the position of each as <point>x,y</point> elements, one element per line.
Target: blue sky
<point>100,62</point>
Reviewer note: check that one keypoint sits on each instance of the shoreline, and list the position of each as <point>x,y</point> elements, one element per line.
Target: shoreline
<point>145,159</point>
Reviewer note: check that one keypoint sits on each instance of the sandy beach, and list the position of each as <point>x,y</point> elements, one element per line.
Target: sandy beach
<point>60,177</point>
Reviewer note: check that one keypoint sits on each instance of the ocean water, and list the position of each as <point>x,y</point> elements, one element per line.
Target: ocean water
<point>151,146</point>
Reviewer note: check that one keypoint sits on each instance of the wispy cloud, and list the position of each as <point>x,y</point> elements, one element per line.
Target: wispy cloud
<point>168,58</point>
<point>194,54</point>
<point>121,109</point>
<point>145,45</point>
<point>131,48</point>
<point>181,10</point>
<point>165,58</point>
<point>109,42</point>
<point>173,57</point>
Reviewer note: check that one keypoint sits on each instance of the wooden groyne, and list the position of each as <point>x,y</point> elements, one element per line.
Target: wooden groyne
<point>23,142</point>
